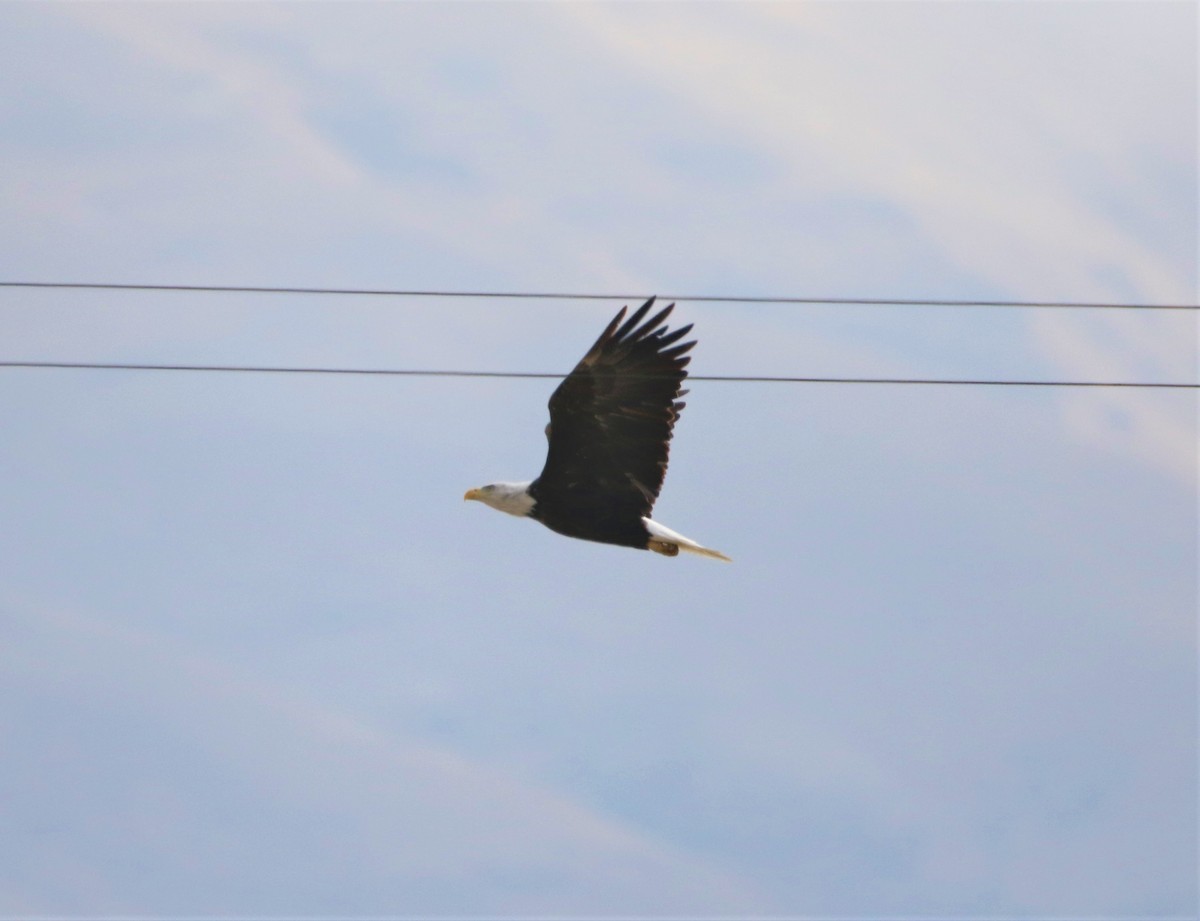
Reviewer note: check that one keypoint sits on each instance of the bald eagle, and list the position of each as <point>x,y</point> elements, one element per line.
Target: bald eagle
<point>610,432</point>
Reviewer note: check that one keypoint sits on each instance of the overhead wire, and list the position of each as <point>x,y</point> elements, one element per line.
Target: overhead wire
<point>714,378</point>
<point>724,378</point>
<point>582,296</point>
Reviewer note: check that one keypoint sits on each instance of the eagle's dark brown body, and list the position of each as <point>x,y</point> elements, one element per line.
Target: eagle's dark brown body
<point>610,432</point>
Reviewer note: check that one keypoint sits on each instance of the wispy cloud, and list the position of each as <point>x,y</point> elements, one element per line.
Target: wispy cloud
<point>409,815</point>
<point>983,153</point>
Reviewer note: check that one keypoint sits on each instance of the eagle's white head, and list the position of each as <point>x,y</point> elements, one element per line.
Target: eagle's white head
<point>513,498</point>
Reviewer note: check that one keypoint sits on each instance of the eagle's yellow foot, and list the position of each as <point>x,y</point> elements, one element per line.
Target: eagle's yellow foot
<point>663,547</point>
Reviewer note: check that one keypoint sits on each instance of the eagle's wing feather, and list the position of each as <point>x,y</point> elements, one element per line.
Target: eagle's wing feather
<point>611,418</point>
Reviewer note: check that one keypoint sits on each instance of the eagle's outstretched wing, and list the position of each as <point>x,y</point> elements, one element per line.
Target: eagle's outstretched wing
<point>611,418</point>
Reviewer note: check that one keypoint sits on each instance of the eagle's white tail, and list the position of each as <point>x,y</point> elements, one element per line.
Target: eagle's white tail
<point>671,539</point>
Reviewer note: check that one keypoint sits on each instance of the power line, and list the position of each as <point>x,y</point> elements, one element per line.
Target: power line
<point>715,378</point>
<point>577,296</point>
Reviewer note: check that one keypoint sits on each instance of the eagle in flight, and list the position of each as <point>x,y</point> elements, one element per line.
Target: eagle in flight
<point>610,433</point>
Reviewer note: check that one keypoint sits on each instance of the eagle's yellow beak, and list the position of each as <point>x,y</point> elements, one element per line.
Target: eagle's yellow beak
<point>473,494</point>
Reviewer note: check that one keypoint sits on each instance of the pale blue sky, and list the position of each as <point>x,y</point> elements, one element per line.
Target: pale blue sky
<point>258,658</point>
